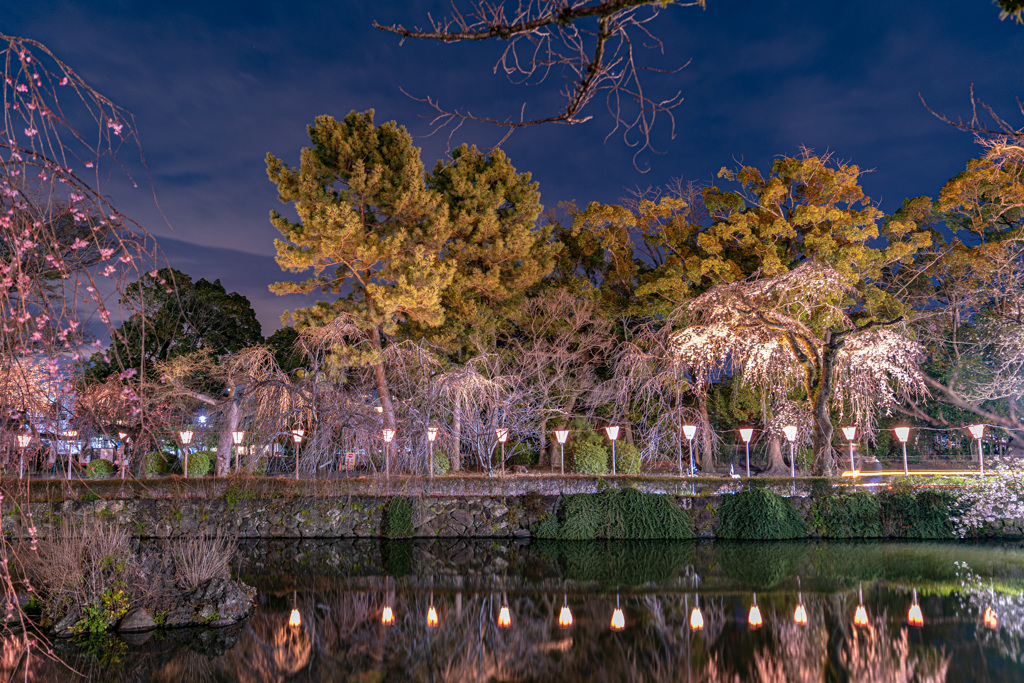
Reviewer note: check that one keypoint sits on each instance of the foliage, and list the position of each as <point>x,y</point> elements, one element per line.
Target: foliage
<point>397,519</point>
<point>97,617</point>
<point>197,559</point>
<point>848,515</point>
<point>621,513</point>
<point>627,458</point>
<point>761,566</point>
<point>586,457</point>
<point>158,463</point>
<point>619,562</point>
<point>984,500</point>
<point>521,453</point>
<point>925,514</point>
<point>759,515</point>
<point>200,463</point>
<point>442,464</point>
<point>98,468</point>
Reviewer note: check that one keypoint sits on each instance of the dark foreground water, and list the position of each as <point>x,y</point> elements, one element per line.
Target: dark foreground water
<point>339,591</point>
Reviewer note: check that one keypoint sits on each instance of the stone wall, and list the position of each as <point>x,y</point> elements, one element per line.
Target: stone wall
<point>344,517</point>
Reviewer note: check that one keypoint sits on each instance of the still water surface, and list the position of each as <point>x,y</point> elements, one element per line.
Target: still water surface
<point>490,611</point>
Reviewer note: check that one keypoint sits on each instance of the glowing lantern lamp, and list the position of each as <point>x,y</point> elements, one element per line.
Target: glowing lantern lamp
<point>431,438</point>
<point>295,619</point>
<point>565,615</point>
<point>613,434</point>
<point>978,431</point>
<point>746,434</point>
<point>903,434</point>
<point>696,619</point>
<point>914,616</point>
<point>431,617</point>
<point>618,618</point>
<point>790,432</point>
<point>237,436</point>
<point>562,435</point>
<point>389,436</point>
<point>799,614</point>
<point>387,616</point>
<point>860,617</point>
<point>24,440</point>
<point>991,618</point>
<point>754,618</point>
<point>850,432</point>
<point>185,437</point>
<point>504,617</point>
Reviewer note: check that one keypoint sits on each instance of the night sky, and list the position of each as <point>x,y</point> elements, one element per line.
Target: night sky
<point>214,86</point>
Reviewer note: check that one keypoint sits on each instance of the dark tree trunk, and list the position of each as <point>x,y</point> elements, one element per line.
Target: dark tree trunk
<point>777,466</point>
<point>824,459</point>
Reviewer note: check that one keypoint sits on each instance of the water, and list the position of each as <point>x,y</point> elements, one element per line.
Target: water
<point>340,589</point>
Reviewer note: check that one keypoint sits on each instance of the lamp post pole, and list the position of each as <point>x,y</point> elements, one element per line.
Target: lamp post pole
<point>690,431</point>
<point>185,436</point>
<point>389,436</point>
<point>236,438</point>
<point>613,433</point>
<point>790,432</point>
<point>73,434</point>
<point>23,441</point>
<point>851,434</point>
<point>562,435</point>
<point>431,437</point>
<point>297,435</point>
<point>978,431</point>
<point>502,434</point>
<point>746,433</point>
<point>903,434</point>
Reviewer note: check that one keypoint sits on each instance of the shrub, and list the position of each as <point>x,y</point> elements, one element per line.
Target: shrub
<point>158,463</point>
<point>521,453</point>
<point>442,464</point>
<point>627,458</point>
<point>200,463</point>
<point>619,562</point>
<point>98,468</point>
<point>622,514</point>
<point>926,514</point>
<point>197,559</point>
<point>588,458</point>
<point>397,519</point>
<point>852,515</point>
<point>759,515</point>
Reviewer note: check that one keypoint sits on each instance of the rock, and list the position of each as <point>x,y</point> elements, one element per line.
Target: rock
<point>62,628</point>
<point>137,619</point>
<point>219,601</point>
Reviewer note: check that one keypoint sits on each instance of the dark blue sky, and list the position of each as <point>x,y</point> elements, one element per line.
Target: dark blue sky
<point>214,86</point>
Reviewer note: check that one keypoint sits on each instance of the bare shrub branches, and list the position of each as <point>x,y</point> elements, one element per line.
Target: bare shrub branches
<point>590,43</point>
<point>197,559</point>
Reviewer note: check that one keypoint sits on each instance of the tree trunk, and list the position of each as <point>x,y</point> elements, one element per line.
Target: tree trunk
<point>224,441</point>
<point>543,443</point>
<point>777,466</point>
<point>455,456</point>
<point>705,454</point>
<point>382,381</point>
<point>823,458</point>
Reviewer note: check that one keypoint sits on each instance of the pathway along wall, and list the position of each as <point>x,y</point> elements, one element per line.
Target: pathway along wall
<point>432,516</point>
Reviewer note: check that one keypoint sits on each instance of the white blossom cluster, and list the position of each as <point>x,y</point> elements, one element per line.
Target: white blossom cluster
<point>999,495</point>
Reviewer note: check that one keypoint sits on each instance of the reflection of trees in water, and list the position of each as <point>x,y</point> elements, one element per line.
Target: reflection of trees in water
<point>874,654</point>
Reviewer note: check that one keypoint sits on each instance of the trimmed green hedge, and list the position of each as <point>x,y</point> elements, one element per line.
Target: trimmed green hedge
<point>200,463</point>
<point>925,514</point>
<point>158,464</point>
<point>759,515</point>
<point>618,513</point>
<point>849,515</point>
<point>397,519</point>
<point>98,468</point>
<point>627,458</point>
<point>588,458</point>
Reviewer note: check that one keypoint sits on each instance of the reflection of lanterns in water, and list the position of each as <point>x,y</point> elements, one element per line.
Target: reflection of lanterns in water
<point>565,616</point>
<point>431,617</point>
<point>696,618</point>
<point>799,614</point>
<point>618,618</point>
<point>295,619</point>
<point>504,617</point>
<point>991,618</point>
<point>387,616</point>
<point>754,618</point>
<point>914,616</point>
<point>860,617</point>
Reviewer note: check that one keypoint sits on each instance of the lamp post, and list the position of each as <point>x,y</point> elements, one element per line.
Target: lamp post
<point>71,434</point>
<point>613,433</point>
<point>790,432</point>
<point>746,433</point>
<point>123,438</point>
<point>562,435</point>
<point>850,433</point>
<point>297,435</point>
<point>903,434</point>
<point>236,439</point>
<point>431,438</point>
<point>389,436</point>
<point>23,441</point>
<point>185,437</point>
<point>689,431</point>
<point>502,434</point>
<point>978,431</point>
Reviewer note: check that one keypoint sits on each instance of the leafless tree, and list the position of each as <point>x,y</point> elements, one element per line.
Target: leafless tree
<point>591,43</point>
